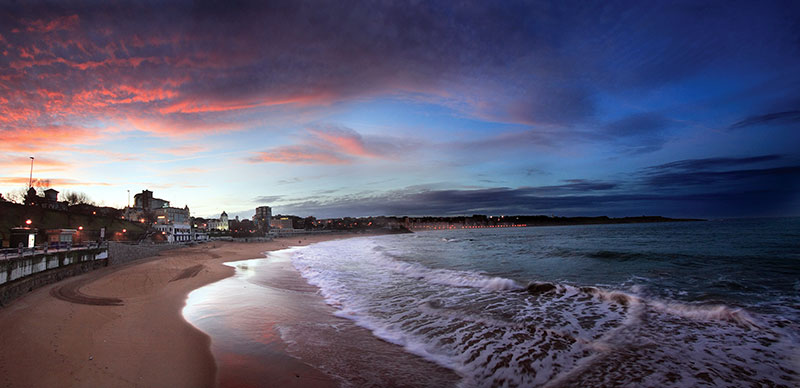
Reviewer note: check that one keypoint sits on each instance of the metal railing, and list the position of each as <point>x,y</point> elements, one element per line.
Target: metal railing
<point>13,253</point>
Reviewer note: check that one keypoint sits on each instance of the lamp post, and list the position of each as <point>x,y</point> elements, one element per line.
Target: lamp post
<point>30,181</point>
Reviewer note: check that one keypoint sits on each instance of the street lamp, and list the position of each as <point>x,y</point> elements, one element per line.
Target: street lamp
<point>30,181</point>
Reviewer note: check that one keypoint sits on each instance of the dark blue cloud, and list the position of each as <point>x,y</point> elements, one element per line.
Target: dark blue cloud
<point>777,118</point>
<point>712,163</point>
<point>609,74</point>
<point>711,187</point>
<point>525,62</point>
<point>755,178</point>
<point>643,132</point>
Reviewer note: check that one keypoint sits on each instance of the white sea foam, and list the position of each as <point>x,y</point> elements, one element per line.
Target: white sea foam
<point>708,313</point>
<point>492,332</point>
<point>448,277</point>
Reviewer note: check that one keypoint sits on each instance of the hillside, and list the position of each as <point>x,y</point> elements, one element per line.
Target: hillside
<point>14,215</point>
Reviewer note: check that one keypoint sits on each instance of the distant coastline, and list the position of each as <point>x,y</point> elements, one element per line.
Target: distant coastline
<point>481,221</point>
<point>611,220</point>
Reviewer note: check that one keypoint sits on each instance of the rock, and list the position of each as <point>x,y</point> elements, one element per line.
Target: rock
<point>540,288</point>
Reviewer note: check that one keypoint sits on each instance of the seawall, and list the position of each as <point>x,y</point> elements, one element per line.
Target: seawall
<point>22,274</point>
<point>19,275</point>
<point>121,253</point>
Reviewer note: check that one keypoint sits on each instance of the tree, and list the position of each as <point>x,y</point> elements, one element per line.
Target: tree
<point>76,198</point>
<point>17,196</point>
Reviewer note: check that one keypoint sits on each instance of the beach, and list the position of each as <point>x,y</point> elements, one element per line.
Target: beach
<point>122,326</point>
<point>472,308</point>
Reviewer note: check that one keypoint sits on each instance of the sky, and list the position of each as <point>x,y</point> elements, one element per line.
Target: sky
<point>331,109</point>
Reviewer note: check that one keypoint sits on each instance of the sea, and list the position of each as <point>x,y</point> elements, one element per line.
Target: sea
<point>679,304</point>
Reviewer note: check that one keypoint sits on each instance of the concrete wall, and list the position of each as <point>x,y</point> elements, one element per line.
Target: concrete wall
<point>21,275</point>
<point>20,267</point>
<point>120,253</point>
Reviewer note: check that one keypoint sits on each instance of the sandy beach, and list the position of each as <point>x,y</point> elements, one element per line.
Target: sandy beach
<point>122,326</point>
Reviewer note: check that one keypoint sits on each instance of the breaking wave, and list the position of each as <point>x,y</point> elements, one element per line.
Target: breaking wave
<point>495,331</point>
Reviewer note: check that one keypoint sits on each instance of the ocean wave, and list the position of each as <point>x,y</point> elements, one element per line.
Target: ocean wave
<point>493,331</point>
<point>444,276</point>
<point>708,313</point>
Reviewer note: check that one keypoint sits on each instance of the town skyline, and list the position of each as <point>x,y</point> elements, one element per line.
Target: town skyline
<point>622,109</point>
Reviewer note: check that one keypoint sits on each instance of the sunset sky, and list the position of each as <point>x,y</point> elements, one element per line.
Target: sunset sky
<point>409,108</point>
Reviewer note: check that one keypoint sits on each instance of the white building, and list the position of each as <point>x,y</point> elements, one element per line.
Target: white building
<point>175,232</point>
<point>219,224</point>
<point>173,223</point>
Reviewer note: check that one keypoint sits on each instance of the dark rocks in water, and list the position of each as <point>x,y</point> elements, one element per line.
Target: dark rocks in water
<point>436,304</point>
<point>540,288</point>
<point>590,290</point>
<point>620,298</point>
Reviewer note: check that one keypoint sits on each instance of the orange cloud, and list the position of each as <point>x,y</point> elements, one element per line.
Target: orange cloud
<point>22,163</point>
<point>53,182</point>
<point>299,155</point>
<point>48,138</point>
<point>195,106</point>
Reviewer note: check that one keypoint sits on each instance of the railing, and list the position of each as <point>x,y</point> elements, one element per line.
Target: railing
<point>64,246</point>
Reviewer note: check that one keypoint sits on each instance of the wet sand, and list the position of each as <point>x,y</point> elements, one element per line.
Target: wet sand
<point>123,327</point>
<point>267,311</point>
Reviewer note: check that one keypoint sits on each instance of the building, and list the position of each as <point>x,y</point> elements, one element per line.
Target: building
<point>219,224</point>
<point>281,223</point>
<point>143,206</point>
<point>172,215</point>
<point>175,232</point>
<point>60,238</point>
<point>173,222</point>
<point>48,201</point>
<point>147,202</point>
<point>263,217</point>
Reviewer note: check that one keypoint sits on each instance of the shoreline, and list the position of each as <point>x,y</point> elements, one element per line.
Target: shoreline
<point>270,325</point>
<point>144,340</point>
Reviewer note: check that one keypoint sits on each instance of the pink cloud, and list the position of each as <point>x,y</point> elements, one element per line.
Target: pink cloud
<point>336,145</point>
<point>345,141</point>
<point>185,150</point>
<point>58,23</point>
<point>299,155</point>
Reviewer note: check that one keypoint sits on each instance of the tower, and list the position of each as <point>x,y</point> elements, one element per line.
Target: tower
<point>223,221</point>
<point>263,217</point>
